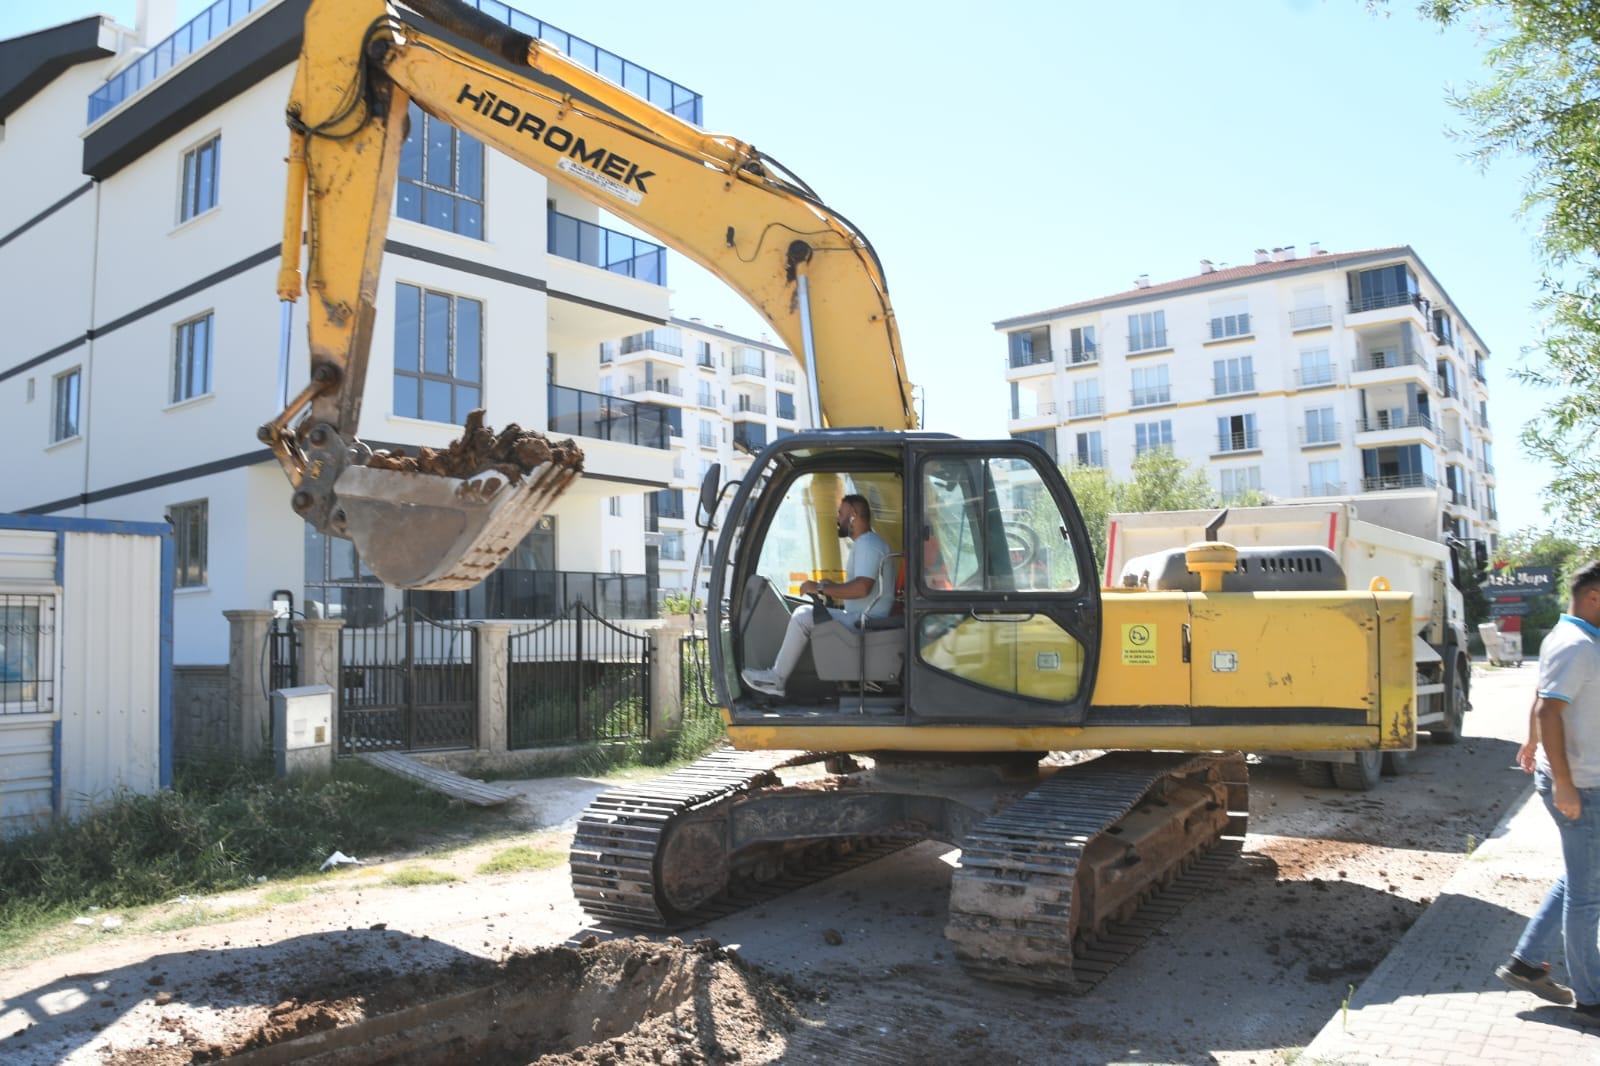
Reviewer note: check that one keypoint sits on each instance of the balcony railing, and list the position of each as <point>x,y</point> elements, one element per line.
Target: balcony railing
<point>753,369</point>
<point>190,38</point>
<point>1148,342</point>
<point>1022,359</point>
<point>1085,353</point>
<point>1396,482</point>
<point>1235,385</point>
<point>708,438</point>
<point>1381,421</point>
<point>672,552</point>
<point>651,340</point>
<point>596,246</point>
<point>1245,440</point>
<point>1327,488</point>
<point>707,361</point>
<point>706,399</point>
<point>1379,301</point>
<point>1453,444</point>
<point>786,411</point>
<point>1321,434</point>
<point>1088,407</point>
<point>577,413</point>
<point>1308,377</point>
<point>751,407</point>
<point>1044,409</point>
<point>518,594</point>
<point>665,388</point>
<point>1226,326</point>
<point>1391,361</point>
<point>1311,317</point>
<point>784,377</point>
<point>1151,395</point>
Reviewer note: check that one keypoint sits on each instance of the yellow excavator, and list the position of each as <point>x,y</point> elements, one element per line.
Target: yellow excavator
<point>1079,745</point>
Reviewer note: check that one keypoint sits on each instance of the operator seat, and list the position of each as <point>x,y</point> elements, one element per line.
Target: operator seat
<point>875,653</point>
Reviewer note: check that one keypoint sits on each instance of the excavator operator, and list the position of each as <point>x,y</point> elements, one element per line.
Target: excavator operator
<point>867,553</point>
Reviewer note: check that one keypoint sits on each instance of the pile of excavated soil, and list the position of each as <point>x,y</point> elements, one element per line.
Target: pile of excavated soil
<point>624,1001</point>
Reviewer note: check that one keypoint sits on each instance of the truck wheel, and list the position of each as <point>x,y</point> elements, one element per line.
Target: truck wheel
<point>1396,763</point>
<point>1455,709</point>
<point>1361,775</point>
<point>1314,773</point>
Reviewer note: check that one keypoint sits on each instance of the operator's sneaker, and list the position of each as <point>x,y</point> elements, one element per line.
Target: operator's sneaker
<point>1535,979</point>
<point>765,682</point>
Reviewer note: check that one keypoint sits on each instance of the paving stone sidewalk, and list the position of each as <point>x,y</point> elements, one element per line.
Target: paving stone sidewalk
<point>1435,1000</point>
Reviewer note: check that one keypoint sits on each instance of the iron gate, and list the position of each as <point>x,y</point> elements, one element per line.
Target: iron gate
<point>407,684</point>
<point>577,679</point>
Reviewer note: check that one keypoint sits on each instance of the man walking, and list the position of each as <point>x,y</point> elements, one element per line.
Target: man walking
<point>1564,751</point>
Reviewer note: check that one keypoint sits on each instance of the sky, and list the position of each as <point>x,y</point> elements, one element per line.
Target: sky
<point>1010,157</point>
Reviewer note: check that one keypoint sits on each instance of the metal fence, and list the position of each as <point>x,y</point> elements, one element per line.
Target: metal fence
<point>577,679</point>
<point>407,684</point>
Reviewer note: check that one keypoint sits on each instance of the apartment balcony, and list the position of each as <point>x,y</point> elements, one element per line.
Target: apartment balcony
<point>190,38</point>
<point>1327,488</point>
<point>747,369</point>
<point>1316,377</point>
<point>751,436</point>
<point>1248,440</point>
<point>1389,307</point>
<point>611,251</point>
<point>1452,443</point>
<point>1398,482</point>
<point>707,398</point>
<point>1088,407</point>
<point>1386,367</point>
<point>658,388</point>
<point>1384,428</point>
<point>1020,366</point>
<point>1086,353</point>
<point>785,377</point>
<point>1153,396</point>
<point>1043,414</point>
<point>576,413</point>
<point>672,552</point>
<point>751,407</point>
<point>706,362</point>
<point>1304,318</point>
<point>708,438</point>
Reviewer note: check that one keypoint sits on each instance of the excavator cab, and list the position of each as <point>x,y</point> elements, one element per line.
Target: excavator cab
<point>992,611</point>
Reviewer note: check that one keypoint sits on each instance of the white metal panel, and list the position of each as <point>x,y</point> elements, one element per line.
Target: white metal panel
<point>111,667</point>
<point>27,557</point>
<point>25,749</point>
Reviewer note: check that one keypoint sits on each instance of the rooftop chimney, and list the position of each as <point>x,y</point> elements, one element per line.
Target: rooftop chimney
<point>1288,251</point>
<point>155,21</point>
<point>1206,267</point>
<point>1142,281</point>
<point>1277,255</point>
<point>1316,248</point>
<point>1261,255</point>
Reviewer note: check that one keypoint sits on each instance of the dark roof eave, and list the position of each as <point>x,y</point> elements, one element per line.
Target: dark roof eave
<point>32,61</point>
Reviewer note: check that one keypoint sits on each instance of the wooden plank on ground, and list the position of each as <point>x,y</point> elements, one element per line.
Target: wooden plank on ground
<point>448,782</point>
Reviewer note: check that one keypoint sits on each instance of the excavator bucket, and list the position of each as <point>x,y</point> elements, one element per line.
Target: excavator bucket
<point>424,531</point>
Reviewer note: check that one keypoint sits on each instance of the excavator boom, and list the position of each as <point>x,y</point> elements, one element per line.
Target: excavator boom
<point>447,520</point>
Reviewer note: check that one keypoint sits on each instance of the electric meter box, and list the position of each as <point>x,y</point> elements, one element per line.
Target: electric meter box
<point>302,729</point>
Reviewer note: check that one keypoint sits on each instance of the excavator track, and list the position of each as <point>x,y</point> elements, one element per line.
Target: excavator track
<point>1013,915</point>
<point>621,877</point>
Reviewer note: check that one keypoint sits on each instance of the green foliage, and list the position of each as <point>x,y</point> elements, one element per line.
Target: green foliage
<point>220,827</point>
<point>1541,107</point>
<point>679,603</point>
<point>1161,481</point>
<point>413,876</point>
<point>1532,547</point>
<point>522,859</point>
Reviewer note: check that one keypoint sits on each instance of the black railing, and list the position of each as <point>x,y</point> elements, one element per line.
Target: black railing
<point>1381,421</point>
<point>1380,300</point>
<point>1022,359</point>
<point>596,246</point>
<point>1243,441</point>
<point>577,413</point>
<point>1395,482</point>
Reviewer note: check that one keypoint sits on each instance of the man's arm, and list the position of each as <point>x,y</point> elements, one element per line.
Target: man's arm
<point>1547,714</point>
<point>1527,755</point>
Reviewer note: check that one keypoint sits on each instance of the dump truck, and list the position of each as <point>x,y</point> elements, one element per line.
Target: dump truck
<point>1388,540</point>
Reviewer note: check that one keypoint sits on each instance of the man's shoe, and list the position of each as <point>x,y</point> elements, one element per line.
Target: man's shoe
<point>1535,979</point>
<point>765,682</point>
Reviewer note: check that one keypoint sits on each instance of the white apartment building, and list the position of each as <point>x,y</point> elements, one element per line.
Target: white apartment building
<point>1298,376</point>
<point>726,398</point>
<point>144,181</point>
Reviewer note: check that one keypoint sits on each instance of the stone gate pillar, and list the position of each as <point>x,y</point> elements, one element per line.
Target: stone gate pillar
<point>492,659</point>
<point>666,701</point>
<point>249,707</point>
<point>319,651</point>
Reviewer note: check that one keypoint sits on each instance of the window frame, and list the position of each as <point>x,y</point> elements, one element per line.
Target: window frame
<point>200,174</point>
<point>421,377</point>
<point>61,430</point>
<point>183,548</point>
<point>183,357</point>
<point>421,126</point>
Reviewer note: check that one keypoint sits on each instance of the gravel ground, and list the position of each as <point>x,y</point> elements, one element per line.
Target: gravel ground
<point>852,969</point>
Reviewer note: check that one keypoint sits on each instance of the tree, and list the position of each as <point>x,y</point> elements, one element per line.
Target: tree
<point>1161,482</point>
<point>1542,104</point>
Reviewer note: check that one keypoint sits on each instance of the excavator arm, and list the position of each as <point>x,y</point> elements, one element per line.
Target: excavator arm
<point>446,522</point>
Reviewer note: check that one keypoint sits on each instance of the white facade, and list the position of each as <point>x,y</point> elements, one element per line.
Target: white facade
<point>731,396</point>
<point>1321,375</point>
<point>107,280</point>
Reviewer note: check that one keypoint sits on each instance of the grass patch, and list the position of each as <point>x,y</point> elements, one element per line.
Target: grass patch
<point>287,894</point>
<point>522,859</point>
<point>412,876</point>
<point>222,826</point>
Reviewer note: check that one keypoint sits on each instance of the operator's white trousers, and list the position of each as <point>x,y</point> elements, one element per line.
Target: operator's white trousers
<point>801,623</point>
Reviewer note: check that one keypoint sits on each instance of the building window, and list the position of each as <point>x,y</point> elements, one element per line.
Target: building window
<point>1390,286</point>
<point>750,361</point>
<point>189,535</point>
<point>1235,483</point>
<point>1324,479</point>
<point>672,545</point>
<point>64,423</point>
<point>1086,399</point>
<point>1151,386</point>
<point>614,506</point>
<point>1232,376</point>
<point>1029,347</point>
<point>616,560</point>
<point>1147,331</point>
<point>1316,368</point>
<point>1148,436</point>
<point>1320,427</point>
<point>191,359</point>
<point>1090,451</point>
<point>200,167</point>
<point>337,585</point>
<point>786,405</point>
<point>438,354</point>
<point>702,354</point>
<point>1237,433</point>
<point>1083,348</point>
<point>707,395</point>
<point>1044,438</point>
<point>1229,318</point>
<point>27,653</point>
<point>441,177</point>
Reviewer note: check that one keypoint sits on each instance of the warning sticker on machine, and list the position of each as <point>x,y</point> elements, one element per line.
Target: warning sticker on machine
<point>600,181</point>
<point>1138,644</point>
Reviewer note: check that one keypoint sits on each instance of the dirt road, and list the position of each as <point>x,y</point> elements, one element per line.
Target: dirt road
<point>1246,973</point>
